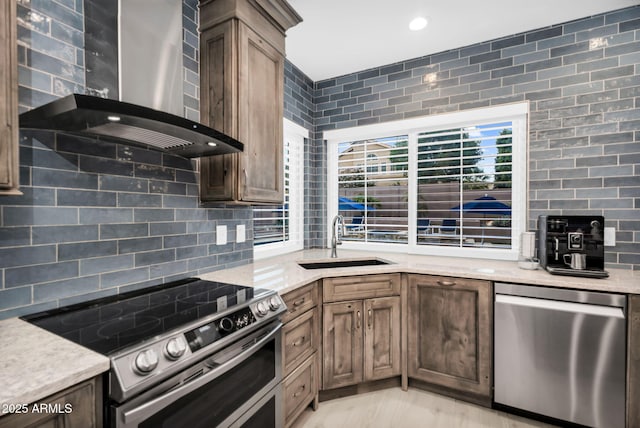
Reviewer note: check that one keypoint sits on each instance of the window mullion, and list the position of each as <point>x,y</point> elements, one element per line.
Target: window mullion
<point>412,187</point>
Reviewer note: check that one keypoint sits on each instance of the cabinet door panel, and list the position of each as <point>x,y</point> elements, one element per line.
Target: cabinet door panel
<point>382,338</point>
<point>342,341</point>
<point>217,90</point>
<point>449,336</point>
<point>83,404</point>
<point>299,389</point>
<point>300,301</point>
<point>633,365</point>
<point>299,340</point>
<point>360,287</point>
<point>261,109</point>
<point>450,333</point>
<point>9,179</point>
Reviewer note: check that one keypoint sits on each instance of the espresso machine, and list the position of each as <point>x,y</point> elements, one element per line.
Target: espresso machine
<point>572,245</point>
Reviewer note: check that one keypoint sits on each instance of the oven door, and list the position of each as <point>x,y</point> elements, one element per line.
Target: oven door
<point>238,386</point>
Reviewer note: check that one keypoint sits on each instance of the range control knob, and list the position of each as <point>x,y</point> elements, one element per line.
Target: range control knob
<point>175,348</point>
<point>226,325</point>
<point>274,303</point>
<point>262,308</point>
<point>146,361</point>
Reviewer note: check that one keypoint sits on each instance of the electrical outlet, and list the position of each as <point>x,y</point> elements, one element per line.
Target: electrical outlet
<point>609,236</point>
<point>240,233</point>
<point>221,234</point>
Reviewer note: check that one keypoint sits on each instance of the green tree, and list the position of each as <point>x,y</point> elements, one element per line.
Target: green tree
<point>400,156</point>
<point>503,160</point>
<point>440,160</point>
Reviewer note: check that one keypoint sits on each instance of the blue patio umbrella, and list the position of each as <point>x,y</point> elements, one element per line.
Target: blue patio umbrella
<point>486,204</point>
<point>346,204</point>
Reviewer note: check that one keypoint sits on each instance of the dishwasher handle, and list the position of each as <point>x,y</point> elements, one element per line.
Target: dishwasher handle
<point>556,305</point>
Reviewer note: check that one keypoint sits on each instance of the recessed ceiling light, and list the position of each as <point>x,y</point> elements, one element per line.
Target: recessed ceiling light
<point>113,118</point>
<point>418,23</point>
<point>211,144</point>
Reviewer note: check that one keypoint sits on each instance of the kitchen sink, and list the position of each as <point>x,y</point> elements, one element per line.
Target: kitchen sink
<point>339,263</point>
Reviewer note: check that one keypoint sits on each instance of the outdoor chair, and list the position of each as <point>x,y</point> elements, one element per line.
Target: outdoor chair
<point>356,224</point>
<point>449,225</point>
<point>424,226</point>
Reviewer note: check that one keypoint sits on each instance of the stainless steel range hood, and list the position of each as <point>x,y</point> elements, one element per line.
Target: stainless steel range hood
<point>133,124</point>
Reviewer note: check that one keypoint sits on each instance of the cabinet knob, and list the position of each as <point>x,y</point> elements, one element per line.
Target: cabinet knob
<point>299,391</point>
<point>300,341</point>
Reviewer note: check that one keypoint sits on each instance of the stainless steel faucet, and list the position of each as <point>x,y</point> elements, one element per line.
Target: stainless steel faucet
<point>335,241</point>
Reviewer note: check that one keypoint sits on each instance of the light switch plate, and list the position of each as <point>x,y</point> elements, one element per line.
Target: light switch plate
<point>221,234</point>
<point>240,233</point>
<point>609,236</point>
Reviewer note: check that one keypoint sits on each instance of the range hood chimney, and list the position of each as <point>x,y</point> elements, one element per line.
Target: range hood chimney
<point>150,86</point>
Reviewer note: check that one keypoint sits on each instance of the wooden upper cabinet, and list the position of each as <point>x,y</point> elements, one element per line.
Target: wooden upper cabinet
<point>9,170</point>
<point>241,94</point>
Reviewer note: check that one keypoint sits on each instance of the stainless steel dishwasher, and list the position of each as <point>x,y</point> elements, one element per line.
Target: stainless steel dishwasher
<point>561,353</point>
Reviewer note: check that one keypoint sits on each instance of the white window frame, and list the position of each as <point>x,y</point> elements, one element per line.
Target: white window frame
<point>295,135</point>
<point>516,113</point>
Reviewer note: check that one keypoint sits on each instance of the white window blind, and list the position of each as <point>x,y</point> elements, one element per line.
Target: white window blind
<point>464,186</point>
<point>453,184</point>
<point>372,189</point>
<point>278,229</point>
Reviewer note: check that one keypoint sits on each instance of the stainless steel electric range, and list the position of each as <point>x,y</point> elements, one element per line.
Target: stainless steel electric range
<point>190,353</point>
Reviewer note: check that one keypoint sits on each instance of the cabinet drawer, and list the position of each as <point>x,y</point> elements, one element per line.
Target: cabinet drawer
<point>300,301</point>
<point>446,281</point>
<point>299,339</point>
<point>360,287</point>
<point>300,389</point>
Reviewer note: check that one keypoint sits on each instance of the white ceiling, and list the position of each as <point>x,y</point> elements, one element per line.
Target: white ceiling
<point>339,37</point>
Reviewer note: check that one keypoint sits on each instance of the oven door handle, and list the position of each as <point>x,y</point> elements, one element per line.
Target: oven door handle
<point>151,407</point>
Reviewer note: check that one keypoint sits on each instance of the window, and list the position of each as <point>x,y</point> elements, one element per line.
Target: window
<point>372,200</point>
<point>278,229</point>
<point>452,184</point>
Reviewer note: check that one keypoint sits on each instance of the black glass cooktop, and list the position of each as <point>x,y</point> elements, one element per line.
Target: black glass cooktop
<point>110,324</point>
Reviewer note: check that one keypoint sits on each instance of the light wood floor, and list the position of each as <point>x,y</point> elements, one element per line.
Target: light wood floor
<point>395,408</point>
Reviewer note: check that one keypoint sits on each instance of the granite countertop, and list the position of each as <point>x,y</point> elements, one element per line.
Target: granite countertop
<point>36,363</point>
<point>282,273</point>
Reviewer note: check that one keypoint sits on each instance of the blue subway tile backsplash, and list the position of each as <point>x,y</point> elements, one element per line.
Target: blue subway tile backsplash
<point>582,81</point>
<point>98,218</point>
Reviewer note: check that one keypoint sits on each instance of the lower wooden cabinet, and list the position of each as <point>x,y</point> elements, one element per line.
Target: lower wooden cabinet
<point>300,344</point>
<point>361,340</point>
<point>449,335</point>
<point>633,362</point>
<point>300,388</point>
<point>300,339</point>
<point>77,407</point>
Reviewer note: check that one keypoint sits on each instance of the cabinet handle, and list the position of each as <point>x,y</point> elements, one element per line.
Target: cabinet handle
<point>299,391</point>
<point>300,341</point>
<point>299,302</point>
<point>358,324</point>
<point>446,283</point>
<point>369,316</point>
